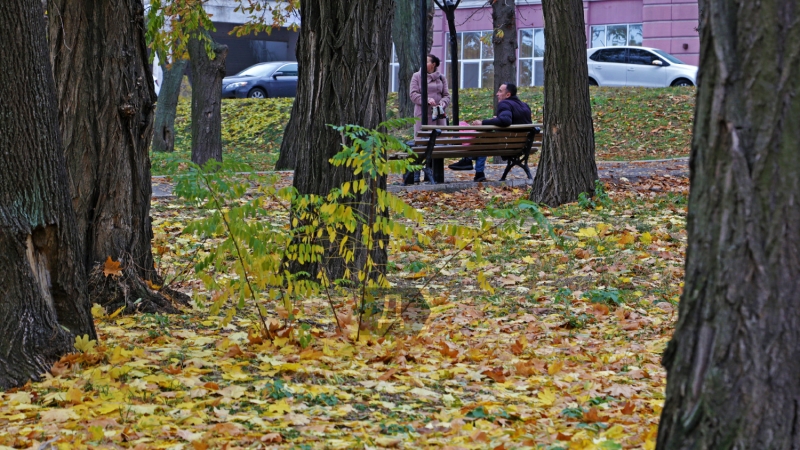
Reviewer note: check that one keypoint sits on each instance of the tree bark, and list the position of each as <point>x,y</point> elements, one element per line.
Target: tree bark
<point>504,40</point>
<point>207,75</point>
<point>343,53</point>
<point>504,43</point>
<point>406,47</point>
<point>42,278</point>
<point>733,361</point>
<point>166,108</point>
<point>106,95</point>
<point>567,166</point>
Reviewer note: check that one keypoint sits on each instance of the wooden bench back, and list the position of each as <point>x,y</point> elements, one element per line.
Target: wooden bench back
<point>458,141</point>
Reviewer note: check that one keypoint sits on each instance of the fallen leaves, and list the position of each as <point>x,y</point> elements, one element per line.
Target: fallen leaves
<point>487,371</point>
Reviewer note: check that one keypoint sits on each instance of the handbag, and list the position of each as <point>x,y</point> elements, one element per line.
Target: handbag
<point>438,113</point>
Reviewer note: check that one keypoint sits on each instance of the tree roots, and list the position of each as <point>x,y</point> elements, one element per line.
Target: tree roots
<point>124,287</point>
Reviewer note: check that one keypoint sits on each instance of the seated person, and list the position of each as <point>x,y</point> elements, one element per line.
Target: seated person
<point>510,111</point>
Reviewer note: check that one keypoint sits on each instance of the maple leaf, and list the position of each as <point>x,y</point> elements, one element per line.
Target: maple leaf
<point>546,397</point>
<point>496,374</point>
<point>83,344</point>
<point>621,390</point>
<point>554,368</point>
<point>74,396</point>
<point>111,267</point>
<point>98,312</point>
<point>629,408</point>
<point>280,407</point>
<point>593,415</point>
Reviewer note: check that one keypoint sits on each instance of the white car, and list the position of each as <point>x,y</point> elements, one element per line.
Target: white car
<point>637,66</point>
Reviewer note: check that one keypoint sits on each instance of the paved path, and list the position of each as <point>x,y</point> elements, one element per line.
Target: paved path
<point>461,180</point>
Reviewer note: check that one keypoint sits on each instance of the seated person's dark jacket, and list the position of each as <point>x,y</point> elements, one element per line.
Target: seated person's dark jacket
<point>511,111</point>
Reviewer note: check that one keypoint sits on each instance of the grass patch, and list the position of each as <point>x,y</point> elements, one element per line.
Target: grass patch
<point>630,124</point>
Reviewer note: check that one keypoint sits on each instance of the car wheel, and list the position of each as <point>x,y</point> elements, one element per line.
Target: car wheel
<point>682,82</point>
<point>592,82</point>
<point>257,93</point>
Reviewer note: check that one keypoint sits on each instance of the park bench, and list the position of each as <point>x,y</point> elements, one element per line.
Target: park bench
<point>514,144</point>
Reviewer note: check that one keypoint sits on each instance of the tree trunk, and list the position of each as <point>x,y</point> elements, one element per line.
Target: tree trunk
<point>207,75</point>
<point>105,96</point>
<point>166,108</point>
<point>733,361</point>
<point>343,53</point>
<point>504,40</point>
<point>42,278</point>
<point>406,47</point>
<point>566,166</point>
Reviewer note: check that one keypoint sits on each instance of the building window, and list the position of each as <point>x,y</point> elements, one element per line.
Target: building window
<point>625,34</point>
<point>531,57</point>
<point>476,57</point>
<point>394,67</point>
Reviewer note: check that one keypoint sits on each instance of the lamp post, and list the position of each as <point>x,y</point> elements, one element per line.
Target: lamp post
<point>449,8</point>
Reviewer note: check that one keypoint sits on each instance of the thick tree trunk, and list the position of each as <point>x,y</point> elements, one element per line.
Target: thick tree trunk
<point>207,75</point>
<point>566,166</point>
<point>105,96</point>
<point>343,53</point>
<point>733,361</point>
<point>504,40</point>
<point>42,278</point>
<point>406,47</point>
<point>166,109</point>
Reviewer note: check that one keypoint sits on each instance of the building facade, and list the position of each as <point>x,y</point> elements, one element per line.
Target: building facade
<point>670,25</point>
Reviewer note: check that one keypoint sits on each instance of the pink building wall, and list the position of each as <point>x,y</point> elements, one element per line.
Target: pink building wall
<point>669,25</point>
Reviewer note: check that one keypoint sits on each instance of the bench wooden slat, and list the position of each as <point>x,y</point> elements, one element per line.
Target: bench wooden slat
<point>479,127</point>
<point>461,154</point>
<point>475,141</point>
<point>472,148</point>
<point>427,134</point>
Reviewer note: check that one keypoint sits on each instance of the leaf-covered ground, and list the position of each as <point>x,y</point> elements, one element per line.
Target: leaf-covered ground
<point>565,353</point>
<point>629,123</point>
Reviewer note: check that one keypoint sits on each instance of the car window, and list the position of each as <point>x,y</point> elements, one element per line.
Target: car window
<point>289,69</point>
<point>641,57</point>
<point>259,70</point>
<point>610,55</point>
<point>668,57</point>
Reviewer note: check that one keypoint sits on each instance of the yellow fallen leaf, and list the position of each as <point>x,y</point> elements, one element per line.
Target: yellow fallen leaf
<point>586,232</point>
<point>83,343</point>
<point>615,432</point>
<point>96,432</point>
<point>555,367</point>
<point>108,408</point>
<point>98,312</point>
<point>74,396</point>
<point>546,397</point>
<point>646,238</point>
<point>280,407</point>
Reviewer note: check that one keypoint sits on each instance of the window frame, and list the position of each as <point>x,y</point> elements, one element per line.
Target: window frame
<point>627,42</point>
<point>532,58</point>
<point>485,60</point>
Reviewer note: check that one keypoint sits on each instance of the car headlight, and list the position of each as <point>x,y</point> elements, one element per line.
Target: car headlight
<point>236,85</point>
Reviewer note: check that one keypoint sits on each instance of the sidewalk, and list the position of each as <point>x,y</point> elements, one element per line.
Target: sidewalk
<point>462,180</point>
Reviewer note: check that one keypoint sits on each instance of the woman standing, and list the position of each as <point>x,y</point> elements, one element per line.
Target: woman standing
<point>438,95</point>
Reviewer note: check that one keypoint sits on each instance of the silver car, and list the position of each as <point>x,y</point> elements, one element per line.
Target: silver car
<point>638,66</point>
